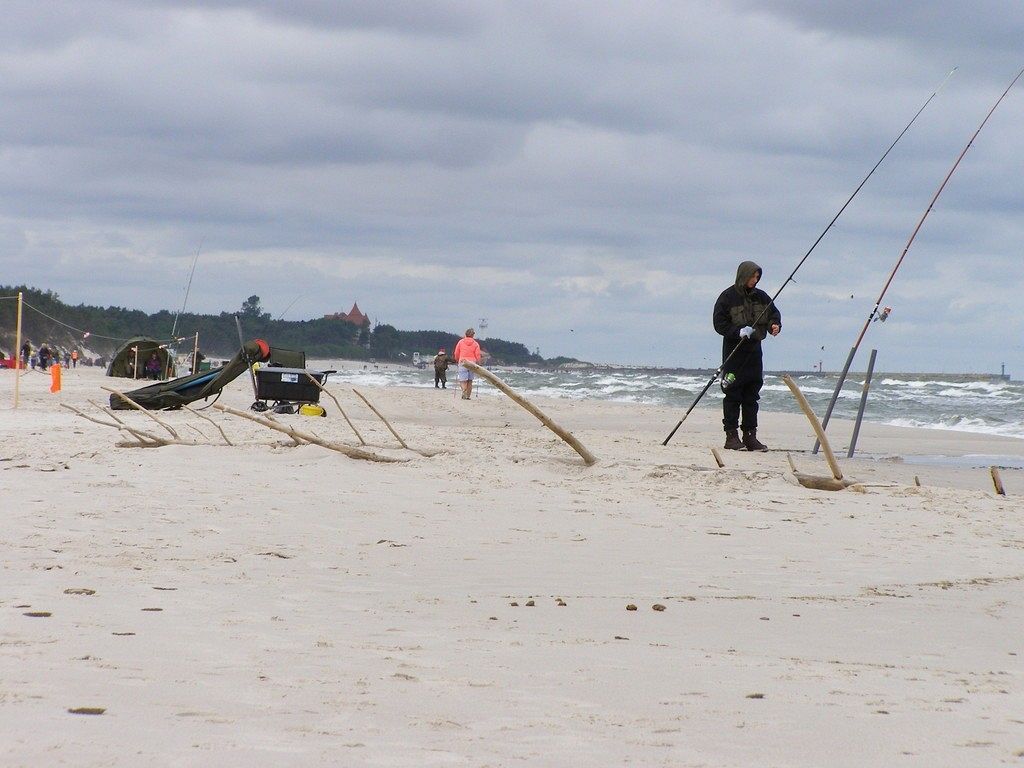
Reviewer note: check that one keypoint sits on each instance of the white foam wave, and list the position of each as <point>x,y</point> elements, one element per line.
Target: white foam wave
<point>962,424</point>
<point>848,394</point>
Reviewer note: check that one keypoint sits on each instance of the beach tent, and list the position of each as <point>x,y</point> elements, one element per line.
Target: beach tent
<point>168,395</point>
<point>122,361</point>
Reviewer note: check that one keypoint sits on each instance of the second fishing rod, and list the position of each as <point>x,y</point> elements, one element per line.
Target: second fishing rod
<point>788,280</point>
<point>874,314</point>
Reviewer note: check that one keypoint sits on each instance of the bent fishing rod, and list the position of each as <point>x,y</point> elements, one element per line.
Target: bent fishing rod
<point>771,303</point>
<point>899,262</point>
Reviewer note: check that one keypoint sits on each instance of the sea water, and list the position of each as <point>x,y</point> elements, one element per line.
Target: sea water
<point>935,401</point>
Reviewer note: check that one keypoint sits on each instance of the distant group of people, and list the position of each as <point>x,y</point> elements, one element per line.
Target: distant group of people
<point>44,357</point>
<point>467,350</point>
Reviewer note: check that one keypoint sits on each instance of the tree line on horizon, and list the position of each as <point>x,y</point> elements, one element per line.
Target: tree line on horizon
<point>48,320</point>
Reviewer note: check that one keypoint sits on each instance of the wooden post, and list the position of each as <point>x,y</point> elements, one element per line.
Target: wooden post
<point>195,355</point>
<point>135,406</point>
<point>17,354</point>
<point>299,437</point>
<point>997,481</point>
<point>792,464</point>
<point>588,457</point>
<point>815,425</point>
<point>381,415</point>
<point>340,409</point>
<point>863,404</point>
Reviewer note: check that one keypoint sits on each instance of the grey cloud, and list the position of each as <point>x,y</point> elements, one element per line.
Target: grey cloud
<point>617,160</point>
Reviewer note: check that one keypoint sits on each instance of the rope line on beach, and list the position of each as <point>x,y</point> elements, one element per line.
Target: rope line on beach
<point>89,333</point>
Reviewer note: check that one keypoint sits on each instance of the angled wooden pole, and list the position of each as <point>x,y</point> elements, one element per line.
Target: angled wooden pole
<point>17,354</point>
<point>138,407</point>
<point>381,415</point>
<point>588,458</point>
<point>815,425</point>
<point>204,416</point>
<point>340,409</point>
<point>294,434</point>
<point>718,458</point>
<point>997,481</point>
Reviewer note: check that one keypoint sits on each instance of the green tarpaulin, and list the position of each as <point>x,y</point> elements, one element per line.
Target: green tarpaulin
<point>179,392</point>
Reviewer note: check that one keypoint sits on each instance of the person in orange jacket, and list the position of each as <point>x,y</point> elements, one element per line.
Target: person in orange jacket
<point>468,348</point>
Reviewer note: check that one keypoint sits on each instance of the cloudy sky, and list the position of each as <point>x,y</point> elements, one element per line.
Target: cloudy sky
<point>585,175</point>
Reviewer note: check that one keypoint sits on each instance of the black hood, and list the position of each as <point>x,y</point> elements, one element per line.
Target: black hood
<point>744,272</point>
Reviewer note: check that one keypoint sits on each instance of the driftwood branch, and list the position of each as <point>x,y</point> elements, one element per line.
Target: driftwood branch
<point>106,411</point>
<point>821,483</point>
<point>204,416</point>
<point>120,426</point>
<point>340,409</point>
<point>298,436</point>
<point>143,439</point>
<point>381,416</point>
<point>576,445</point>
<point>818,482</point>
<point>141,435</point>
<point>815,425</point>
<point>198,431</point>
<point>295,441</point>
<point>997,481</point>
<point>138,407</point>
<point>718,458</point>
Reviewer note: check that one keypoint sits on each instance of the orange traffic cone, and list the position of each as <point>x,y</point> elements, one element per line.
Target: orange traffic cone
<point>55,378</point>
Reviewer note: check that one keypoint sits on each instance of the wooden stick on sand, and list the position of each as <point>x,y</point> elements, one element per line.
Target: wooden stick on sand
<point>138,407</point>
<point>145,439</point>
<point>204,416</point>
<point>997,481</point>
<point>342,410</point>
<point>815,425</point>
<point>718,458</point>
<point>817,482</point>
<point>294,434</point>
<point>588,457</point>
<point>381,415</point>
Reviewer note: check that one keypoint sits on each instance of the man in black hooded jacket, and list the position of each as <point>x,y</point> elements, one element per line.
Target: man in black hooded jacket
<point>744,315</point>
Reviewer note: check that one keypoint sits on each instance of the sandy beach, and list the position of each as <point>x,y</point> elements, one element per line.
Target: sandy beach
<point>267,604</point>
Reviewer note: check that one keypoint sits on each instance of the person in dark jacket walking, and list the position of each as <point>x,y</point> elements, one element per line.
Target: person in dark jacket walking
<point>743,316</point>
<point>441,363</point>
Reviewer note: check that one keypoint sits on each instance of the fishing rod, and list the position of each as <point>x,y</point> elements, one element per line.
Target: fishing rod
<point>771,303</point>
<point>290,305</point>
<point>174,326</point>
<point>188,288</point>
<point>899,261</point>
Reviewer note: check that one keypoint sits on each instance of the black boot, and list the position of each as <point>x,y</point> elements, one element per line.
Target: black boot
<point>732,440</point>
<point>751,442</point>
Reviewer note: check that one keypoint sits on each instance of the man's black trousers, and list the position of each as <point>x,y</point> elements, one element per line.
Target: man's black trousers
<point>741,400</point>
